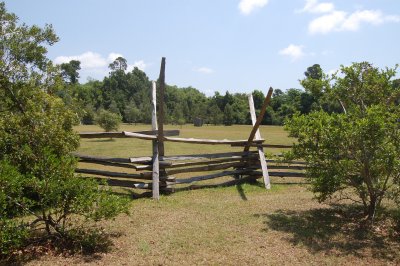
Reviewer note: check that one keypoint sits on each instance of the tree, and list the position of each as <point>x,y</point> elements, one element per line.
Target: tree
<point>353,154</point>
<point>69,71</point>
<point>318,85</point>
<point>228,115</point>
<point>177,115</point>
<point>20,47</point>
<point>215,114</point>
<point>36,139</point>
<point>314,72</point>
<point>132,113</point>
<point>109,121</point>
<point>113,107</point>
<point>88,116</point>
<point>258,98</point>
<point>119,64</point>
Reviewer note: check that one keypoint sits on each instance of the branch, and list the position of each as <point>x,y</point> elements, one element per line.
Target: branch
<point>343,107</point>
<point>392,98</point>
<point>14,98</point>
<point>26,209</point>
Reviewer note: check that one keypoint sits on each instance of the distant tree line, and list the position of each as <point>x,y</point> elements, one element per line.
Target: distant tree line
<point>127,93</point>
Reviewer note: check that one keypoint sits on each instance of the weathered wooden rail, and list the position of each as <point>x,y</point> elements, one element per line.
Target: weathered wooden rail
<point>161,172</point>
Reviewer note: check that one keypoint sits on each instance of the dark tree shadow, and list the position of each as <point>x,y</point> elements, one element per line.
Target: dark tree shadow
<point>332,230</point>
<point>89,248</point>
<point>240,190</point>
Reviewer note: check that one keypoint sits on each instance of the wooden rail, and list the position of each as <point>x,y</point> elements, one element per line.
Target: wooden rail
<point>95,135</point>
<point>145,175</point>
<point>193,140</point>
<point>278,146</point>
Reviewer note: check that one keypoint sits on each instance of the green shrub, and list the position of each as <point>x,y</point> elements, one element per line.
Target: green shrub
<point>108,121</point>
<point>356,154</point>
<point>13,234</point>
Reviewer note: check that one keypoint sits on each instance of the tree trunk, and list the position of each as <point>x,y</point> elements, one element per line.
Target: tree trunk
<point>372,209</point>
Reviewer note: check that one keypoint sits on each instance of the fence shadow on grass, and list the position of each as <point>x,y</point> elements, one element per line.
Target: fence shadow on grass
<point>331,230</point>
<point>241,192</point>
<point>238,183</point>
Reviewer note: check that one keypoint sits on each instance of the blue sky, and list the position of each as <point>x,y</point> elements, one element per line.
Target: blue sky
<point>219,45</point>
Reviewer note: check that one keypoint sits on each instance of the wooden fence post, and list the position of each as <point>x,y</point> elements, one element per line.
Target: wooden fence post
<point>160,138</point>
<point>161,93</point>
<point>156,165</point>
<point>257,135</point>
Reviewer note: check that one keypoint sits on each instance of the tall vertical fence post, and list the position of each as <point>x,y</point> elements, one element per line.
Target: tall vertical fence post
<point>156,165</point>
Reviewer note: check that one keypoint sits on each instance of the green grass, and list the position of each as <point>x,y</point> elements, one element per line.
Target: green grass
<point>134,147</point>
<point>237,225</point>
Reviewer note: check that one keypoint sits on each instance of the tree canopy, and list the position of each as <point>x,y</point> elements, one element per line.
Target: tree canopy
<point>70,71</point>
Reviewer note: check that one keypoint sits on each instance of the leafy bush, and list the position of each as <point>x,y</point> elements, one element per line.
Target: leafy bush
<point>108,121</point>
<point>12,233</point>
<point>61,194</point>
<point>355,154</point>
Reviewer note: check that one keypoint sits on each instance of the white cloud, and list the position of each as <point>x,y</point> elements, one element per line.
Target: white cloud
<point>295,52</point>
<point>341,21</point>
<point>312,6</point>
<point>248,6</point>
<point>139,64</point>
<point>338,20</point>
<point>204,70</point>
<point>112,56</point>
<point>327,23</point>
<point>374,17</point>
<point>95,64</point>
<point>87,59</point>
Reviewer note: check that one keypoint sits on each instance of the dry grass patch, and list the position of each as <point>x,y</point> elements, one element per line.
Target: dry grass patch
<point>218,226</point>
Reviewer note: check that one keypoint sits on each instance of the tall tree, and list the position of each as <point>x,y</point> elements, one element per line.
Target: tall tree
<point>228,115</point>
<point>258,98</point>
<point>22,46</point>
<point>119,64</point>
<point>70,71</point>
<point>215,115</point>
<point>314,72</point>
<point>318,85</point>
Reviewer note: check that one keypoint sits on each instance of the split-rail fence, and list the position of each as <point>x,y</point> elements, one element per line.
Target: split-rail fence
<point>157,173</point>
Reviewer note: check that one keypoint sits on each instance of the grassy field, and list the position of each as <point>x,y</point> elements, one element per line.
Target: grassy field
<point>239,225</point>
<point>135,147</point>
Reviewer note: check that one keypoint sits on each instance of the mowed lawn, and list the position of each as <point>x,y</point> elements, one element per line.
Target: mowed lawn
<point>238,225</point>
